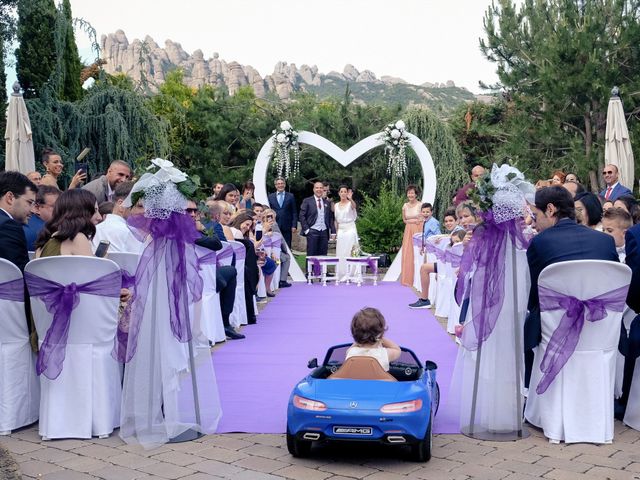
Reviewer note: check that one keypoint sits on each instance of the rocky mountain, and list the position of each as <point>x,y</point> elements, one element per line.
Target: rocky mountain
<point>146,58</point>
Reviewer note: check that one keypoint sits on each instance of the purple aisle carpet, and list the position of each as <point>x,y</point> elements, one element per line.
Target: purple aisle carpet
<point>256,375</point>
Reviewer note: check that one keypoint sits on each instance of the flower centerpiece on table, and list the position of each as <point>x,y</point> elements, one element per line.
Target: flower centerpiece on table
<point>396,140</point>
<point>286,141</point>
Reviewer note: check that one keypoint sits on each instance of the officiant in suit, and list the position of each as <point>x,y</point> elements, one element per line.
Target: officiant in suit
<point>284,204</point>
<point>316,221</point>
<point>559,239</point>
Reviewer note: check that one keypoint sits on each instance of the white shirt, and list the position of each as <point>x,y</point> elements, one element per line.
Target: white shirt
<point>319,225</point>
<point>114,229</point>
<point>622,254</point>
<point>378,352</point>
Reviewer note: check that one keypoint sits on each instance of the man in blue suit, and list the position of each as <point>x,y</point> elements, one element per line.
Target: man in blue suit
<point>284,204</point>
<point>559,239</point>
<point>613,189</point>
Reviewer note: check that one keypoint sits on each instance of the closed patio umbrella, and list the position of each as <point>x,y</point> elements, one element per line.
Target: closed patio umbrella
<point>617,150</point>
<point>19,143</point>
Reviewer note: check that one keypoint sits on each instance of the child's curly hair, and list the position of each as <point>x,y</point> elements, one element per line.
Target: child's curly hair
<point>368,326</point>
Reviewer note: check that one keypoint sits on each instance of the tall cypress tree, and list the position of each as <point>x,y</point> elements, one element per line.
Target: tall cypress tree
<point>36,55</point>
<point>71,89</point>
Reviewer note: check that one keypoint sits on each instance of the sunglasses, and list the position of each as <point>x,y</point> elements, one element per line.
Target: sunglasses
<point>192,210</point>
<point>608,172</point>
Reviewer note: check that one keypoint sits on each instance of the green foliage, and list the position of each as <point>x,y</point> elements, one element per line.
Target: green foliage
<point>451,172</point>
<point>36,55</point>
<point>380,225</point>
<point>69,88</point>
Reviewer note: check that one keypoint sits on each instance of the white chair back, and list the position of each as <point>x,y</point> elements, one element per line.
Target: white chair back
<point>418,260</point>
<point>208,315</point>
<point>239,315</point>
<point>84,400</point>
<point>126,261</point>
<point>19,388</point>
<point>588,377</point>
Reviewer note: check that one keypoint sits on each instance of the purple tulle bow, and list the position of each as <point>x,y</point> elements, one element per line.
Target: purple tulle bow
<point>226,252</point>
<point>484,257</point>
<point>316,262</point>
<point>60,300</point>
<point>13,290</point>
<point>119,351</point>
<point>174,240</point>
<point>563,342</point>
<point>370,261</point>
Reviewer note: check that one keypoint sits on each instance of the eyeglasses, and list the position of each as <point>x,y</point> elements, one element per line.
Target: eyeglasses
<point>30,202</point>
<point>608,172</point>
<point>192,210</point>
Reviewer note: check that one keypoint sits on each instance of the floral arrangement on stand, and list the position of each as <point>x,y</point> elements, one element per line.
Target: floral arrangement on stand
<point>396,140</point>
<point>286,141</point>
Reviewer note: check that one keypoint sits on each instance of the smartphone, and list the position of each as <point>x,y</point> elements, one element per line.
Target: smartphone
<point>102,249</point>
<point>79,164</point>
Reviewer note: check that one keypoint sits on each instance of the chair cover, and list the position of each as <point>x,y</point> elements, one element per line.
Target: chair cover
<point>446,283</point>
<point>275,250</point>
<point>454,308</point>
<point>418,260</point>
<point>578,405</point>
<point>84,400</point>
<point>627,318</point>
<point>208,316</point>
<point>239,315</point>
<point>19,384</point>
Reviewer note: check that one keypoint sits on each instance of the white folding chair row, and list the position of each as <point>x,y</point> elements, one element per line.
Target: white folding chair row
<point>418,260</point>
<point>239,314</point>
<point>19,384</point>
<point>208,316</point>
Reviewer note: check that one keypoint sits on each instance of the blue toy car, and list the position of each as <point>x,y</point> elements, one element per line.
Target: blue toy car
<point>357,400</point>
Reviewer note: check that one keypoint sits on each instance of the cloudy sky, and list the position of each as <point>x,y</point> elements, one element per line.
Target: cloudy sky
<point>417,40</point>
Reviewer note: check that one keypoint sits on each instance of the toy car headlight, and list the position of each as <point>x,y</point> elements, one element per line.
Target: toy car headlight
<point>402,407</point>
<point>307,404</point>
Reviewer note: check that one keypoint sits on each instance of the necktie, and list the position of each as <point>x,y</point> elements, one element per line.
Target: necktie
<point>319,205</point>
<point>608,193</point>
<point>280,198</point>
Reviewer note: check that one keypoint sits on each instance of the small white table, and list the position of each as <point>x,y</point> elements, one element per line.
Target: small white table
<point>360,265</point>
<point>320,262</point>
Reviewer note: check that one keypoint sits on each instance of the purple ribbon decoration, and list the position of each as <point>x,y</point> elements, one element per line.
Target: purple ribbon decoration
<point>417,240</point>
<point>370,261</point>
<point>267,241</point>
<point>61,300</point>
<point>240,250</point>
<point>120,341</point>
<point>452,258</point>
<point>174,240</point>
<point>315,262</point>
<point>226,252</point>
<point>276,242</point>
<point>484,256</point>
<point>564,339</point>
<point>13,290</point>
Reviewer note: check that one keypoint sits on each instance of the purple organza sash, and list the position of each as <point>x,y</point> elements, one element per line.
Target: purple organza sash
<point>122,332</point>
<point>61,300</point>
<point>315,262</point>
<point>267,241</point>
<point>371,262</point>
<point>276,242</point>
<point>226,252</point>
<point>452,257</point>
<point>172,239</point>
<point>417,240</point>
<point>240,250</point>
<point>13,290</point>
<point>564,339</point>
<point>484,257</point>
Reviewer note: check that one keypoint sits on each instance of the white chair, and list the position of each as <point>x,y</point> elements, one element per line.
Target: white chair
<point>418,260</point>
<point>208,316</point>
<point>275,250</point>
<point>446,283</point>
<point>239,315</point>
<point>84,400</point>
<point>19,384</point>
<point>455,253</point>
<point>577,405</point>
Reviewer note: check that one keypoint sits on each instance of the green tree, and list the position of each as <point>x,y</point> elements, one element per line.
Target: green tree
<point>557,61</point>
<point>36,55</point>
<point>70,88</point>
<point>380,225</point>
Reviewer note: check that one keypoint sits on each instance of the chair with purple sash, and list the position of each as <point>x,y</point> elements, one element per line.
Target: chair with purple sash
<point>418,259</point>
<point>446,279</point>
<point>75,301</point>
<point>266,246</point>
<point>453,257</point>
<point>208,316</point>
<point>572,382</point>
<point>276,249</point>
<point>20,387</point>
<point>239,315</point>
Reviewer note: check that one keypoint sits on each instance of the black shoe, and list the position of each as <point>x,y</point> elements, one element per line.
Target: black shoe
<point>421,303</point>
<point>284,284</point>
<point>232,334</point>
<point>271,295</point>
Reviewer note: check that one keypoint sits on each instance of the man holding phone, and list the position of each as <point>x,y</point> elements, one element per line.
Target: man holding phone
<point>104,187</point>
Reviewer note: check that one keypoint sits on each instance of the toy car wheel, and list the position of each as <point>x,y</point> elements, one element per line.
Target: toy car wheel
<point>421,451</point>
<point>297,448</point>
<point>435,400</point>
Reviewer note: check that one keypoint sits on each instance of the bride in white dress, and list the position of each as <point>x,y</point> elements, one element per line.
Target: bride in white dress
<point>345,215</point>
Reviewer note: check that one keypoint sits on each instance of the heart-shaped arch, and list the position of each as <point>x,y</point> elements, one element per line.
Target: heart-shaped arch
<point>345,158</point>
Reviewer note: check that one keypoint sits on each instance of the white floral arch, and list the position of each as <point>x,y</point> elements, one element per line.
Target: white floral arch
<point>345,158</point>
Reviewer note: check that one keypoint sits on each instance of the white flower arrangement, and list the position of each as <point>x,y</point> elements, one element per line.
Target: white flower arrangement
<point>286,140</point>
<point>396,140</point>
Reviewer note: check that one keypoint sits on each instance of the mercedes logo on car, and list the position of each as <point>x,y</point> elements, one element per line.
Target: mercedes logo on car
<point>353,404</point>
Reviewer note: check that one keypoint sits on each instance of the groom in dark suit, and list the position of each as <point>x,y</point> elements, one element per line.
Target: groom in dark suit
<point>284,204</point>
<point>316,221</point>
<point>559,239</point>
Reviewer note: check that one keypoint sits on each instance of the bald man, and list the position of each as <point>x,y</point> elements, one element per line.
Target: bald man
<point>613,189</point>
<point>461,194</point>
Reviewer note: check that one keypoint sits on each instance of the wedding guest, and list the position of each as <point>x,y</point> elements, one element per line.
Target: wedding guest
<point>35,177</point>
<point>267,263</point>
<point>17,204</point>
<point>630,205</point>
<point>46,197</point>
<point>216,188</point>
<point>285,258</point>
<point>225,274</point>
<point>230,194</point>
<point>614,188</point>
<point>449,222</point>
<point>558,177</point>
<point>316,220</point>
<point>114,228</point>
<point>571,177</point>
<point>215,211</point>
<point>542,184</point>
<point>105,208</point>
<point>573,187</point>
<point>431,226</point>
<point>462,193</point>
<point>413,224</point>
<point>225,218</point>
<point>284,204</point>
<point>247,200</point>
<point>104,186</point>
<point>326,187</point>
<point>588,210</point>
<point>347,235</point>
<point>243,223</point>
<point>559,239</point>
<point>53,166</point>
<point>367,328</point>
<point>616,222</point>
